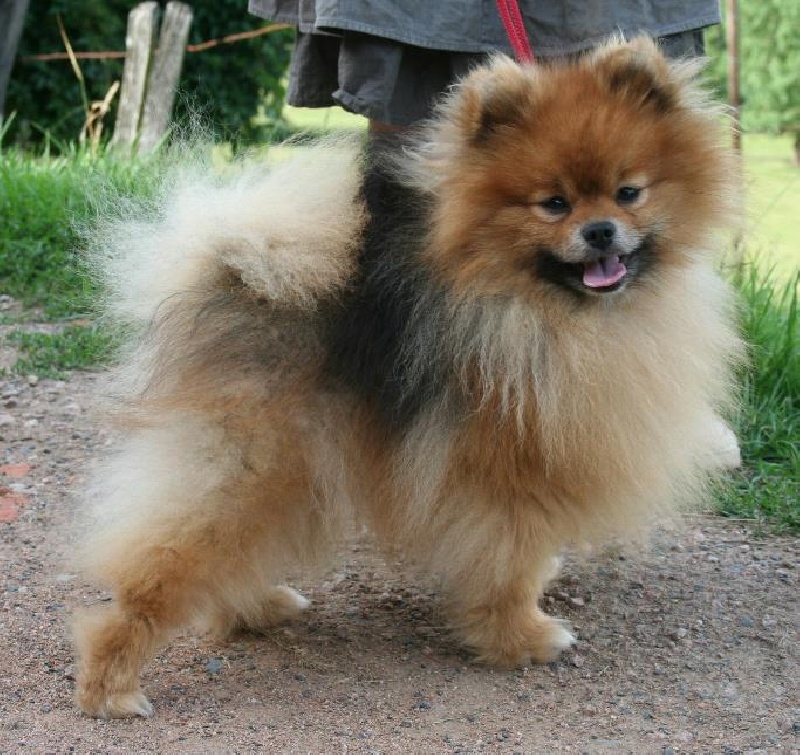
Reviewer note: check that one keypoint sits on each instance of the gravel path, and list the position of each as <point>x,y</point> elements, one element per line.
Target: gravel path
<point>688,645</point>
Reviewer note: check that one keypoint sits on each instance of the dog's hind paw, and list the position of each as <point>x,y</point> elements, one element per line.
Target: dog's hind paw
<point>278,605</point>
<point>284,603</point>
<point>117,705</point>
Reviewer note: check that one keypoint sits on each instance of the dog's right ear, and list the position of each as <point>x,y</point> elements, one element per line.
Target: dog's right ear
<point>493,98</point>
<point>638,71</point>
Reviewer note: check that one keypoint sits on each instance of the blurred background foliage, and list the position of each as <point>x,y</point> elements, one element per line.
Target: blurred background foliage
<point>769,53</point>
<point>225,86</point>
<point>237,90</point>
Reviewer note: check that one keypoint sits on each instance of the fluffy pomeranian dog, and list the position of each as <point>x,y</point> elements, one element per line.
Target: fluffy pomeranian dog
<point>507,339</point>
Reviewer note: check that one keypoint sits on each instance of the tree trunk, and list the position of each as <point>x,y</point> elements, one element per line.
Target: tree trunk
<point>12,18</point>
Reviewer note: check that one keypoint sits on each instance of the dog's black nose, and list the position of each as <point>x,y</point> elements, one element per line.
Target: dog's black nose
<point>599,235</point>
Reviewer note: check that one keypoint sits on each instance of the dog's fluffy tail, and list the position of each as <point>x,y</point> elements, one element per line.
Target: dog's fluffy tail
<point>287,231</point>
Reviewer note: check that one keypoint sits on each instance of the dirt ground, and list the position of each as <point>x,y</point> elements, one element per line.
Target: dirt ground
<point>688,645</point>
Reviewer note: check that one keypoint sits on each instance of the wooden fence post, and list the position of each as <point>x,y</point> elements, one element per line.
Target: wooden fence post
<point>164,75</point>
<point>12,19</point>
<point>139,41</point>
<point>734,95</point>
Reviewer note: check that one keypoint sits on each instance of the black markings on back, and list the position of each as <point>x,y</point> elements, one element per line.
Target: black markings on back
<point>384,337</point>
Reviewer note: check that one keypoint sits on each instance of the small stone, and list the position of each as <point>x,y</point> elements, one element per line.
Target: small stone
<point>6,420</point>
<point>15,470</point>
<point>746,621</point>
<point>33,380</point>
<point>577,660</point>
<point>768,623</point>
<point>785,725</point>
<point>214,666</point>
<point>575,602</point>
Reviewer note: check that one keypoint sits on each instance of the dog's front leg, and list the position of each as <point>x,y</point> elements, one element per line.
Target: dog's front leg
<point>495,573</point>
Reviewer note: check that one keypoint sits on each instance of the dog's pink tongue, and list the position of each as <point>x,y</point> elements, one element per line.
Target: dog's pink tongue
<point>606,271</point>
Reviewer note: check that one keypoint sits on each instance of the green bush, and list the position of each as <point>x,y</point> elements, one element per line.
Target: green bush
<point>226,85</point>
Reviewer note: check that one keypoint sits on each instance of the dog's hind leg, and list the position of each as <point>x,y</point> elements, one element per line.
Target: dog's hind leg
<point>198,530</point>
<point>277,604</point>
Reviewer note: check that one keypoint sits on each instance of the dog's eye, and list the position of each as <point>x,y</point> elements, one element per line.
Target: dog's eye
<point>628,194</point>
<point>555,205</point>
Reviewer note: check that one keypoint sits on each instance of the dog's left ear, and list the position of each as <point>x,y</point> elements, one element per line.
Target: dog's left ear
<point>638,71</point>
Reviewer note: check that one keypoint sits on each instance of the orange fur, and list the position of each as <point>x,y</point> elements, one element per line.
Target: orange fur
<point>564,419</point>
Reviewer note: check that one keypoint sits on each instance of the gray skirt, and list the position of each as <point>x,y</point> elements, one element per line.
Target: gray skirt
<point>391,61</point>
<point>381,79</point>
<point>391,82</point>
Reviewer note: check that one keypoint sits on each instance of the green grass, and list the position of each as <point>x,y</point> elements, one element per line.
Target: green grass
<point>55,355</point>
<point>772,185</point>
<point>768,426</point>
<point>322,120</point>
<point>43,204</point>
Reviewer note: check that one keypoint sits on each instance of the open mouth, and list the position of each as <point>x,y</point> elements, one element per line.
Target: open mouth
<point>603,274</point>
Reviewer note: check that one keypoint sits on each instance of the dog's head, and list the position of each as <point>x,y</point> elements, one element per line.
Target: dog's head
<point>583,177</point>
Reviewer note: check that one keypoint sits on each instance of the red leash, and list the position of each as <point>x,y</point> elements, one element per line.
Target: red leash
<point>512,20</point>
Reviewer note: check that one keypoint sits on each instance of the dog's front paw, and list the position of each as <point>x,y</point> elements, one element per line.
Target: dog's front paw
<point>508,641</point>
<point>102,704</point>
<point>555,641</point>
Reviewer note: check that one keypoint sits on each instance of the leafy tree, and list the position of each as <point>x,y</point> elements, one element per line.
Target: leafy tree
<point>769,59</point>
<point>226,84</point>
<point>771,66</point>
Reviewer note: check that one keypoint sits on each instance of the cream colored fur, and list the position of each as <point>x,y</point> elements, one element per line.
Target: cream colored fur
<point>287,228</point>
